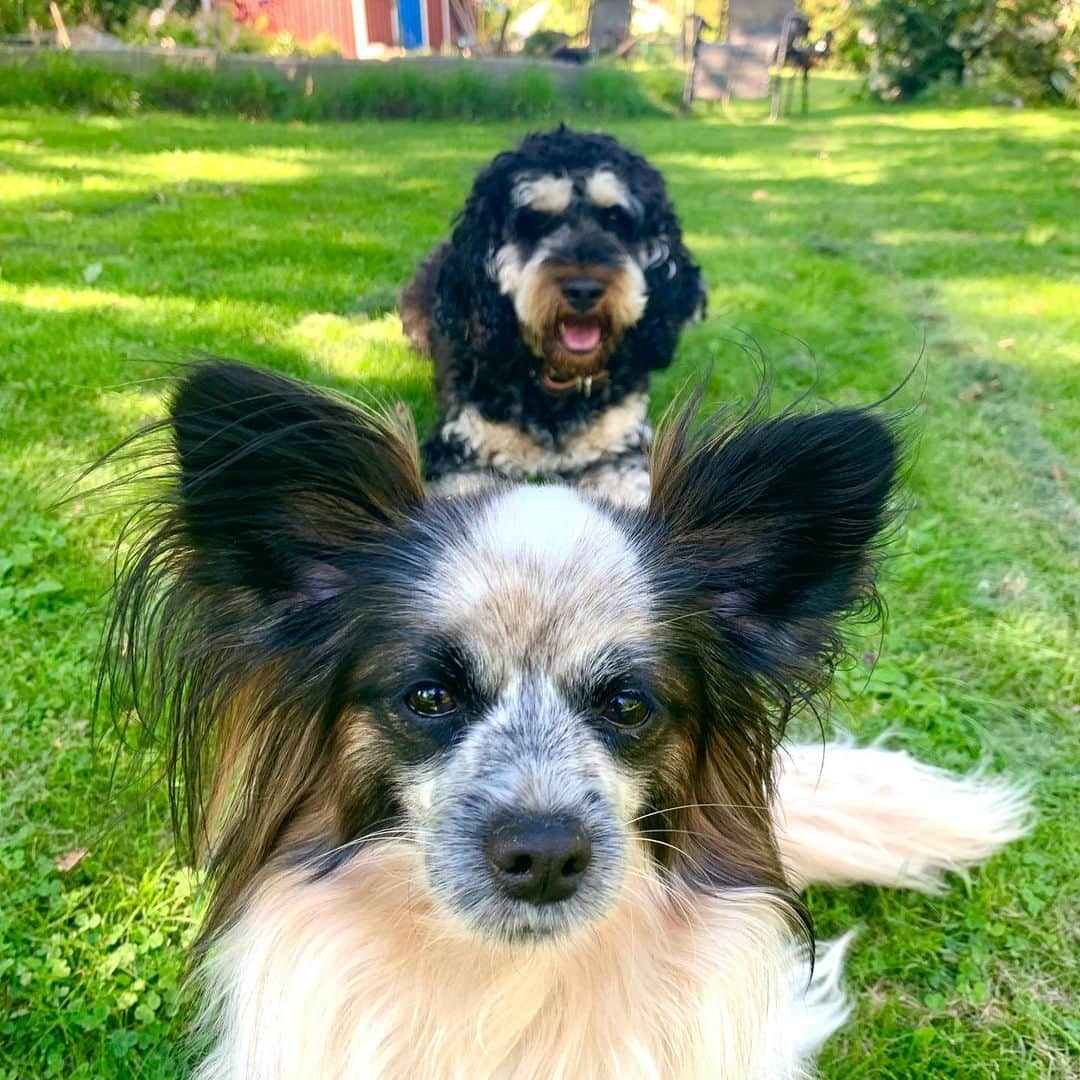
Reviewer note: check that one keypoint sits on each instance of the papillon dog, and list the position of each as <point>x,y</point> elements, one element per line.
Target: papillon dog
<point>493,785</point>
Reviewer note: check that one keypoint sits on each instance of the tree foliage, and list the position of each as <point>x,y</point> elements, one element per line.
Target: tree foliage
<point>1029,49</point>
<point>16,16</point>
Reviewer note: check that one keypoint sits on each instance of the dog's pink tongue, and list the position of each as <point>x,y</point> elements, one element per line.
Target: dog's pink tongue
<point>581,335</point>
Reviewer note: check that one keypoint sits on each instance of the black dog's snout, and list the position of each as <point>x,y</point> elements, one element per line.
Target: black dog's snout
<point>541,858</point>
<point>582,292</point>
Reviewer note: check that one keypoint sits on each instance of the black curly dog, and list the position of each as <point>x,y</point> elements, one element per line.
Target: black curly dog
<point>564,283</point>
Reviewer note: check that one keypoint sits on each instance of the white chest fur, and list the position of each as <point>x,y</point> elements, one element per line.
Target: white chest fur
<point>356,975</point>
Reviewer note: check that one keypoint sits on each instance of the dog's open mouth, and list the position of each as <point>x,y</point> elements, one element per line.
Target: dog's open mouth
<point>580,334</point>
<point>578,356</point>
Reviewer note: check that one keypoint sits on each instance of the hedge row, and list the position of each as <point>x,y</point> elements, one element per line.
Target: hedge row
<point>394,90</point>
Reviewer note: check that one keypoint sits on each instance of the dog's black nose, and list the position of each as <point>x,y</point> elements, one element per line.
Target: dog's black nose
<point>582,292</point>
<point>541,858</point>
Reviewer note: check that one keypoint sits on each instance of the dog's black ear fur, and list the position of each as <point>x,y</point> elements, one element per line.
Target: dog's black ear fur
<point>468,304</point>
<point>767,536</point>
<point>240,586</point>
<point>274,480</point>
<point>773,527</point>
<point>676,285</point>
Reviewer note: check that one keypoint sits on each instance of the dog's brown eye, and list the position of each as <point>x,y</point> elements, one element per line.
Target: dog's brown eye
<point>628,709</point>
<point>615,218</point>
<point>430,699</point>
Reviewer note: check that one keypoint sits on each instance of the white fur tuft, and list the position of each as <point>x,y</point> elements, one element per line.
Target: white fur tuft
<point>357,976</point>
<point>845,814</point>
<point>825,1005</point>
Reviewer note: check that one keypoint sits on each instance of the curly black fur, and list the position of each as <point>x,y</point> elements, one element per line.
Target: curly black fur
<point>454,310</point>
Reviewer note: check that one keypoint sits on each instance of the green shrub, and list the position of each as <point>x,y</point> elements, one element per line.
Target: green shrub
<point>610,91</point>
<point>464,93</point>
<point>199,90</point>
<point>15,15</point>
<point>179,89</point>
<point>469,95</point>
<point>843,20</point>
<point>914,45</point>
<point>397,92</point>
<point>662,84</point>
<point>58,82</point>
<point>385,91</point>
<point>322,44</point>
<point>217,30</point>
<point>543,42</point>
<point>532,93</point>
<point>1025,48</point>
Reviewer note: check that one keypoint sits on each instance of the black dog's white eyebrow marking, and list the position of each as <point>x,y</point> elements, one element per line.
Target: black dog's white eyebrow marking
<point>605,189</point>
<point>547,193</point>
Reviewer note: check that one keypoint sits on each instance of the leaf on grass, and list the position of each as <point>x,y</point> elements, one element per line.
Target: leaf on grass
<point>1012,585</point>
<point>758,194</point>
<point>1032,901</point>
<point>45,587</point>
<point>975,390</point>
<point>70,859</point>
<point>1006,343</point>
<point>21,555</point>
<point>92,272</point>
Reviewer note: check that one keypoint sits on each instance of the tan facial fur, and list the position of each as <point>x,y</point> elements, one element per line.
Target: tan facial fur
<point>540,305</point>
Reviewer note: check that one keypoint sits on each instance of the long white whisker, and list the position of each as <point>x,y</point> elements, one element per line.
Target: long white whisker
<point>681,832</point>
<point>697,806</point>
<point>686,855</point>
<point>381,834</point>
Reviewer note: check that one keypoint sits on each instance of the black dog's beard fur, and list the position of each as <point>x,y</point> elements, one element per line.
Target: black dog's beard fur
<point>488,306</point>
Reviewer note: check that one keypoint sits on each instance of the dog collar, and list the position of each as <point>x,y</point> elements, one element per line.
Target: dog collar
<point>584,383</point>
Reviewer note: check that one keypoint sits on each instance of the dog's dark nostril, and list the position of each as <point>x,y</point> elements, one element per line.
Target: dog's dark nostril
<point>522,864</point>
<point>582,292</point>
<point>574,865</point>
<point>539,858</point>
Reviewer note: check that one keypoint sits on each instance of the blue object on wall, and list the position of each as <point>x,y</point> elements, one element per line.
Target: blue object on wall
<point>411,23</point>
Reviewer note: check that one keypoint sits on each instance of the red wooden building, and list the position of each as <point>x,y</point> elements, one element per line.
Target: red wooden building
<point>356,25</point>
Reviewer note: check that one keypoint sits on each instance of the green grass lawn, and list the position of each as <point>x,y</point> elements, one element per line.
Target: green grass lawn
<point>848,244</point>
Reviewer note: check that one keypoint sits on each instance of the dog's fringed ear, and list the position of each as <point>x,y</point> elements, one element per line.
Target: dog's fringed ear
<point>675,282</point>
<point>469,308</point>
<point>275,480</point>
<point>240,583</point>
<point>773,527</point>
<point>768,533</point>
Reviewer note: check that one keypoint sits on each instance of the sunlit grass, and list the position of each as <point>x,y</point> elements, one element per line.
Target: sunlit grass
<point>848,245</point>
